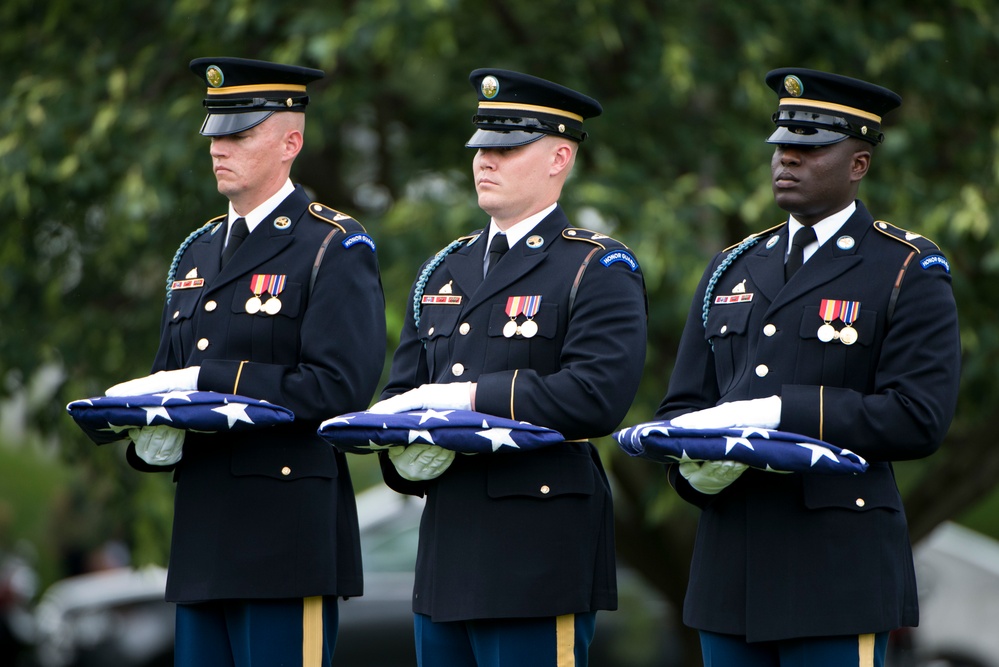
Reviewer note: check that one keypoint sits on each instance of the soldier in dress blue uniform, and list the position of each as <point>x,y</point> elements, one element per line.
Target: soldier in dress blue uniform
<point>516,550</point>
<point>837,326</point>
<point>280,299</point>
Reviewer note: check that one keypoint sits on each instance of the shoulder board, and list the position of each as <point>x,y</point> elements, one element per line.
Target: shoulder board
<point>471,238</point>
<point>214,224</point>
<point>596,238</point>
<point>332,216</point>
<point>756,235</point>
<point>461,240</point>
<point>917,242</point>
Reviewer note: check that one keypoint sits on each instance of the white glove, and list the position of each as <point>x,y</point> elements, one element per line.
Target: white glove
<point>185,379</point>
<point>761,412</point>
<point>420,462</point>
<point>450,396</point>
<point>710,477</point>
<point>158,445</point>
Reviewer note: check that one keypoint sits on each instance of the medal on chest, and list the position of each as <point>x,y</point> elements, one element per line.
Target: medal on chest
<point>835,309</point>
<point>262,283</point>
<point>527,306</point>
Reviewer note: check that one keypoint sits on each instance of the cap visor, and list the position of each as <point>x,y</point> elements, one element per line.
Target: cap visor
<point>490,139</point>
<point>221,124</point>
<point>812,136</point>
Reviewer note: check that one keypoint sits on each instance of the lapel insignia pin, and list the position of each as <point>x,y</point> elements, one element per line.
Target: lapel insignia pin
<point>845,242</point>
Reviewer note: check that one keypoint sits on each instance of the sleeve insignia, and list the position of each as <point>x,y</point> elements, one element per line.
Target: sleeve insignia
<point>620,256</point>
<point>359,237</point>
<point>935,260</point>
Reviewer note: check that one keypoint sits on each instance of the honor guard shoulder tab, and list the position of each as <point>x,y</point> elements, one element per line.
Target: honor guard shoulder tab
<point>755,236</point>
<point>333,216</point>
<point>917,242</point>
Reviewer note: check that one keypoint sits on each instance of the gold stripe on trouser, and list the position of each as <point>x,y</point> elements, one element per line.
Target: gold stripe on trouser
<point>312,631</point>
<point>865,645</point>
<point>565,640</point>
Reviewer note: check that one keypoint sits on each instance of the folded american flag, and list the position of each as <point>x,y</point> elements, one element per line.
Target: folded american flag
<point>108,418</point>
<point>460,430</point>
<point>777,451</point>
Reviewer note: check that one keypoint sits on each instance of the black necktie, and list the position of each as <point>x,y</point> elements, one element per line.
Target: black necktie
<point>796,258</point>
<point>239,232</point>
<point>497,248</point>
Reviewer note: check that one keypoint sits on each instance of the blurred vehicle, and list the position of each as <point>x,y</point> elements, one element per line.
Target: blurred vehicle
<point>118,618</point>
<point>958,573</point>
<point>112,617</point>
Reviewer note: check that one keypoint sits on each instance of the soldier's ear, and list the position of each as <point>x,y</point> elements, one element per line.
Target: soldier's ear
<point>860,164</point>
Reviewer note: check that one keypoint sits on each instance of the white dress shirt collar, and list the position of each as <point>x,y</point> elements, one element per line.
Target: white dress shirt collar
<point>256,216</point>
<point>521,229</point>
<point>824,229</point>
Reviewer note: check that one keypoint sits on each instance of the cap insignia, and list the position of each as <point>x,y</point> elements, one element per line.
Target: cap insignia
<point>863,130</point>
<point>490,87</point>
<point>214,76</point>
<point>793,86</point>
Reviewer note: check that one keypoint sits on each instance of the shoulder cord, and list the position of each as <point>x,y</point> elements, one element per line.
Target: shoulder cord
<point>172,273</point>
<point>421,283</point>
<point>738,250</point>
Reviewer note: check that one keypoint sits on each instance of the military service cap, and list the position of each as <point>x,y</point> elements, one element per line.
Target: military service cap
<point>243,93</point>
<point>819,108</point>
<point>517,109</point>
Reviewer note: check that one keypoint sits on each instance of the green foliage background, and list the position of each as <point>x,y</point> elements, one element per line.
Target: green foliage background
<point>103,174</point>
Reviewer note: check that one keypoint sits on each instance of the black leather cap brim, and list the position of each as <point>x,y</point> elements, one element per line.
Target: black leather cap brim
<point>221,124</point>
<point>491,139</point>
<point>808,136</point>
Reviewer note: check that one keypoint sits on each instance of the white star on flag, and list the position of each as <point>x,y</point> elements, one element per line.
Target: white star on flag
<point>659,427</point>
<point>497,436</point>
<point>818,451</point>
<point>752,430</point>
<point>415,435</point>
<point>847,453</point>
<point>338,420</point>
<point>234,412</point>
<point>156,411</point>
<point>433,414</point>
<point>175,395</point>
<point>731,442</point>
<point>374,446</point>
